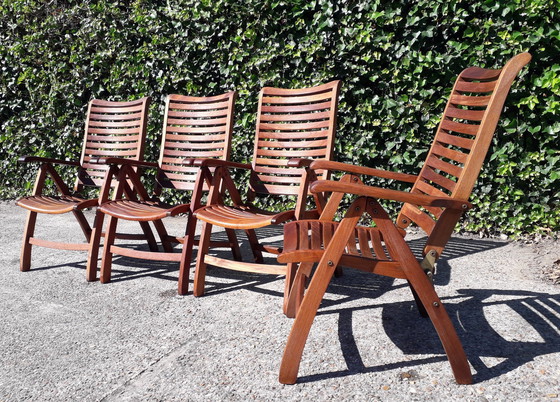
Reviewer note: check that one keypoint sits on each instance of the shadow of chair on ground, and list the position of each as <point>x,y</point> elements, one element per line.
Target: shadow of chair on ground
<point>352,285</point>
<point>493,347</point>
<point>523,325</point>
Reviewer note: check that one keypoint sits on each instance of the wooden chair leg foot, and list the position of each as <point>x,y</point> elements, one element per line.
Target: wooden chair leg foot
<point>94,244</point>
<point>183,286</point>
<point>200,270</point>
<point>199,279</point>
<point>446,332</point>
<point>26,247</point>
<point>107,261</point>
<point>303,321</point>
<point>186,256</point>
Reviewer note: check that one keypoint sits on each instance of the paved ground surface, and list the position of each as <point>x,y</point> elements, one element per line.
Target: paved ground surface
<point>62,338</point>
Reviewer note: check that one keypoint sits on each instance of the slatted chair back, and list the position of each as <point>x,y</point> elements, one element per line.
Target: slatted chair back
<point>462,139</point>
<point>292,123</point>
<point>113,129</point>
<point>197,128</point>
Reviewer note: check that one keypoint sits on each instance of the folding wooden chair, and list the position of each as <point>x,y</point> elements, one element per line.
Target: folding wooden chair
<point>112,129</point>
<point>194,128</point>
<point>294,127</point>
<point>438,198</point>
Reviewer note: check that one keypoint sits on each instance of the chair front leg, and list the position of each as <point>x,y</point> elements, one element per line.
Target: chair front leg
<point>314,295</point>
<point>94,243</point>
<point>107,260</point>
<point>29,230</point>
<point>26,247</point>
<point>200,270</point>
<point>186,256</point>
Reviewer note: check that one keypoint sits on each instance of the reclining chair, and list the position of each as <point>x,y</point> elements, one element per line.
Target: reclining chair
<point>112,129</point>
<point>438,198</point>
<point>294,127</point>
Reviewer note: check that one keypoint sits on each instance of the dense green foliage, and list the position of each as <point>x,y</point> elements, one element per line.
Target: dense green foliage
<point>397,60</point>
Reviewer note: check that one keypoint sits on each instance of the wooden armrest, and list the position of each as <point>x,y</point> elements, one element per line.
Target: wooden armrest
<point>344,167</point>
<point>29,158</point>
<point>388,194</point>
<point>122,161</point>
<point>300,162</point>
<point>220,162</point>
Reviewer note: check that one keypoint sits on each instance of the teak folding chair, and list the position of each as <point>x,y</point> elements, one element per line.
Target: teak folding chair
<point>111,129</point>
<point>294,127</point>
<point>194,128</point>
<point>438,198</point>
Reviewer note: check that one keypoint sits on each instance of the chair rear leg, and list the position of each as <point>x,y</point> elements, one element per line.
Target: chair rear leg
<point>107,260</point>
<point>162,233</point>
<point>200,270</point>
<point>84,224</point>
<point>444,328</point>
<point>29,230</point>
<point>423,287</point>
<point>234,244</point>
<point>152,243</point>
<point>421,309</point>
<point>255,245</point>
<point>295,287</point>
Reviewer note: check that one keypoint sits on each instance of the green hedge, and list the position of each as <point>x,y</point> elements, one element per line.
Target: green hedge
<point>397,61</point>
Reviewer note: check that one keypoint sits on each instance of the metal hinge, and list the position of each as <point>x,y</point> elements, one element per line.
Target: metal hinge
<point>428,264</point>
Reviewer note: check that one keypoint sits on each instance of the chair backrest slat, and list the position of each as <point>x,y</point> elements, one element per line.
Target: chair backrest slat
<point>292,123</point>
<point>113,129</point>
<point>462,138</point>
<point>194,127</point>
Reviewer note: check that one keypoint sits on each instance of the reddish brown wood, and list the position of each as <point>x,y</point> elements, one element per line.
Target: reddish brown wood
<point>112,128</point>
<point>438,198</point>
<point>291,123</point>
<point>195,128</point>
<point>314,296</point>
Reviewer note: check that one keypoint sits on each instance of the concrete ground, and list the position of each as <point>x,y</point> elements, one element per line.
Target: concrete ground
<point>134,339</point>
